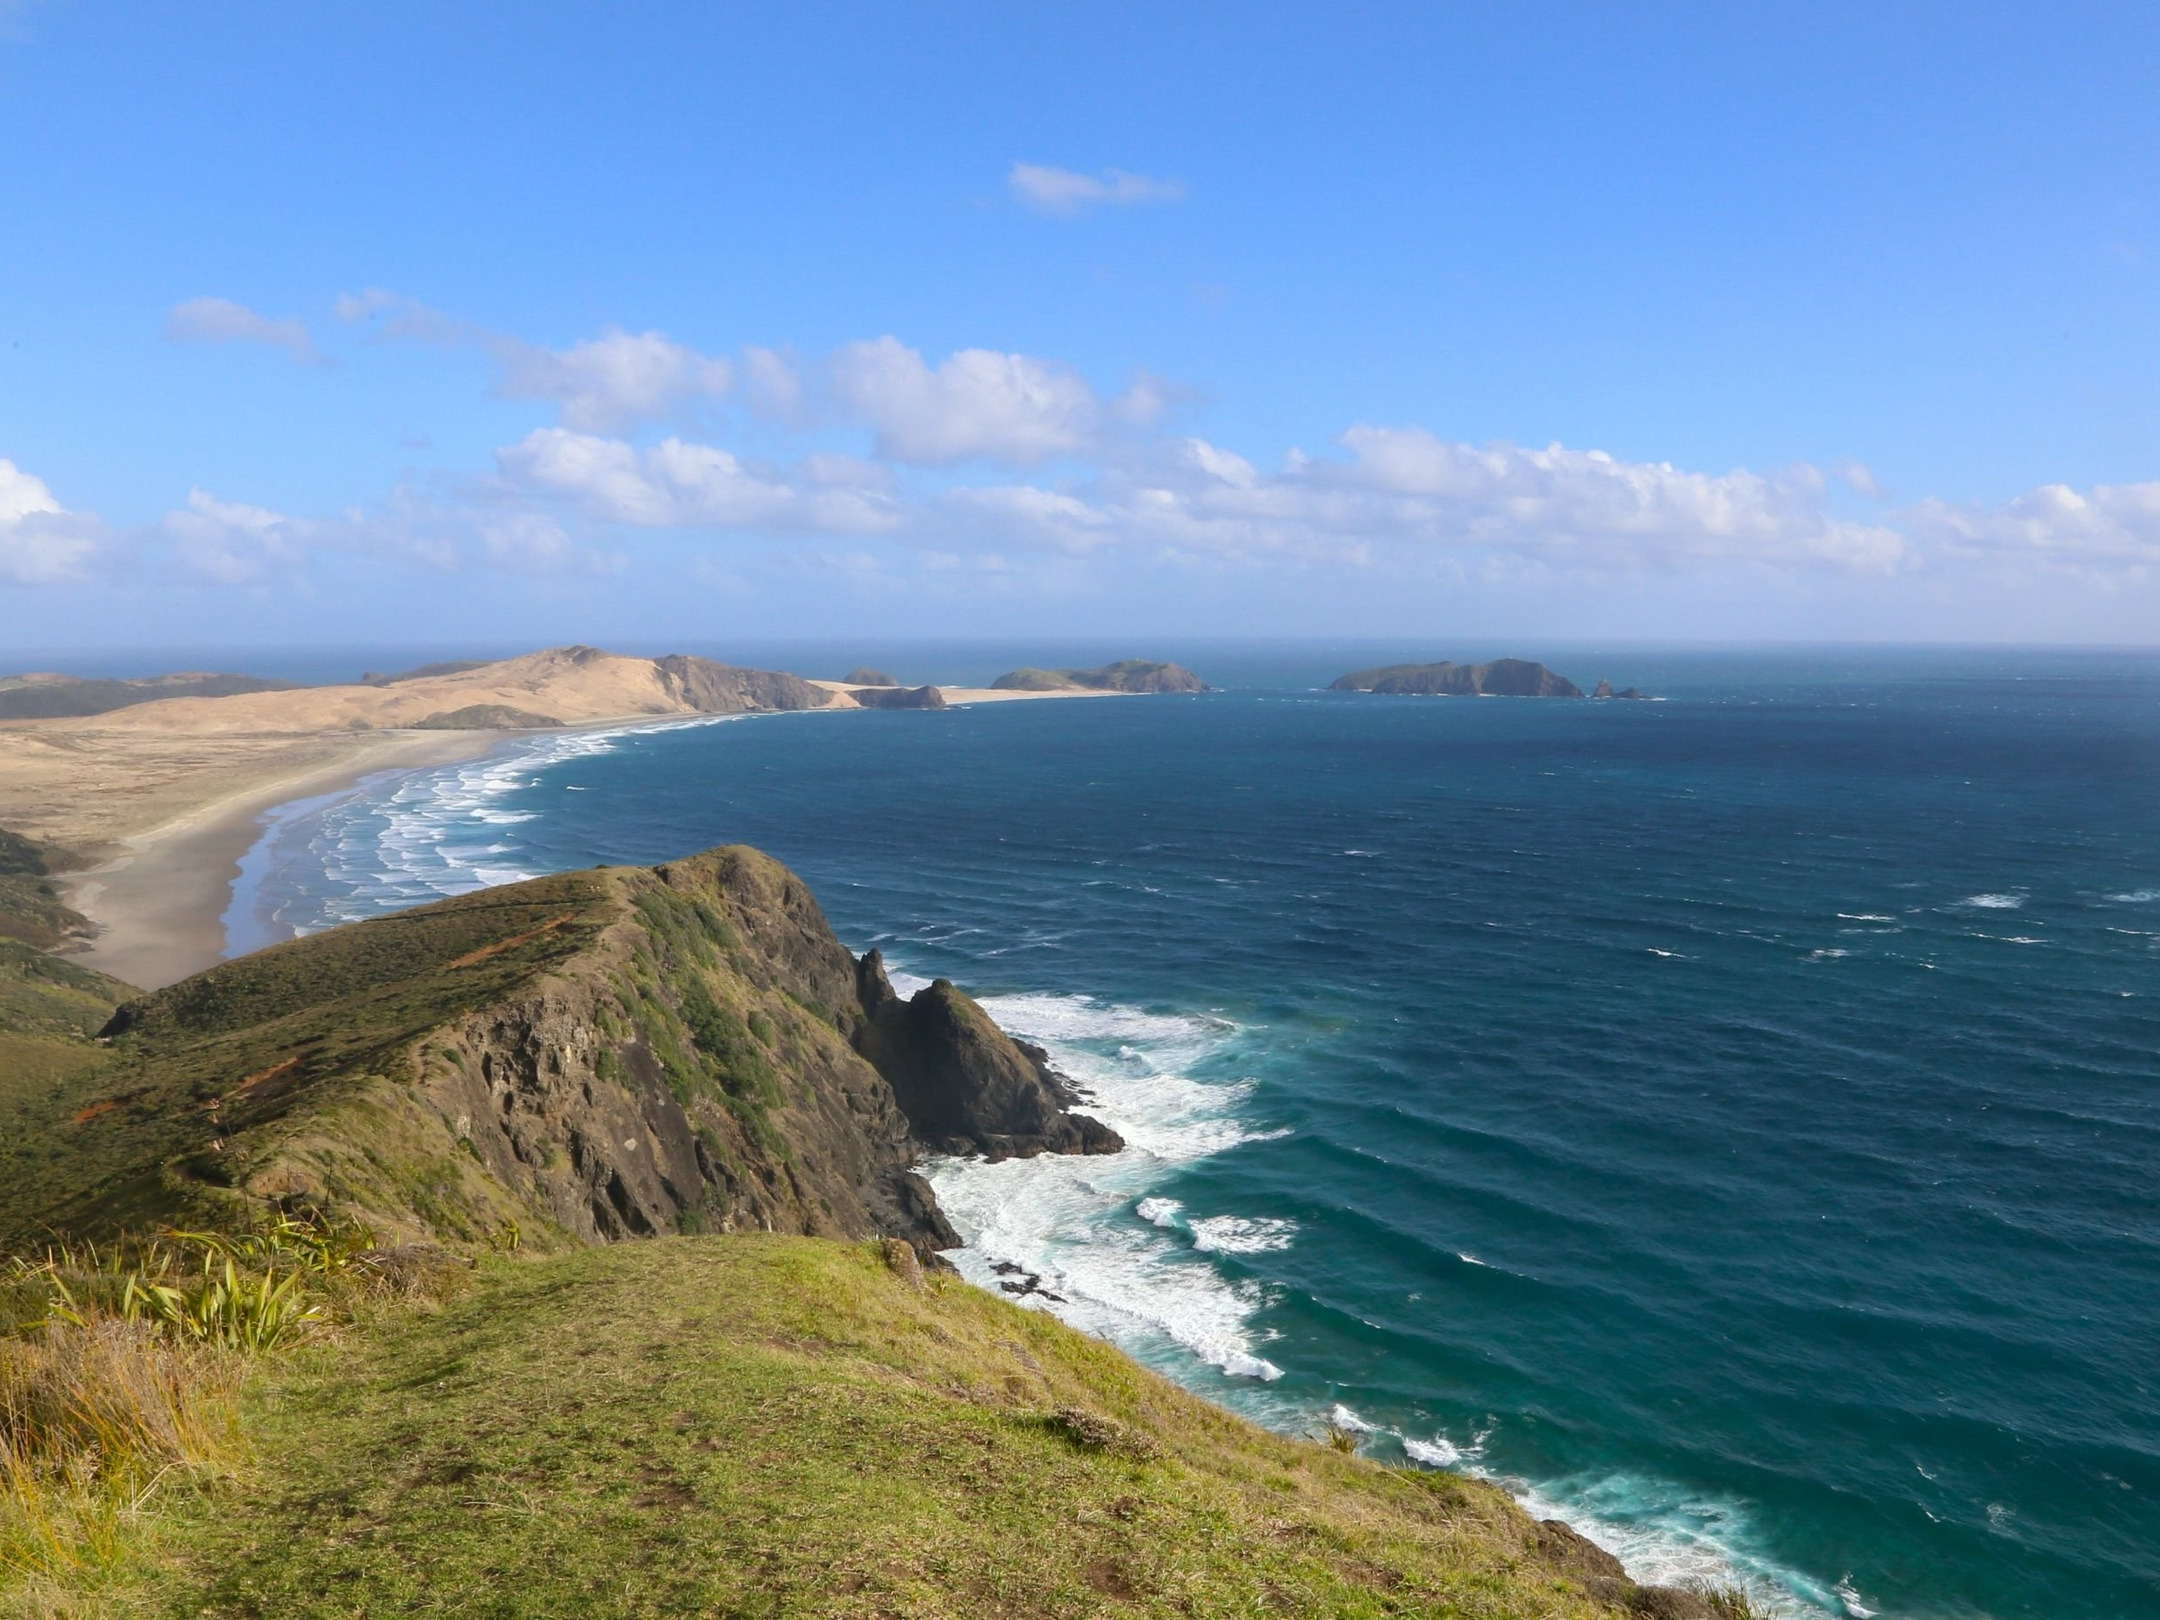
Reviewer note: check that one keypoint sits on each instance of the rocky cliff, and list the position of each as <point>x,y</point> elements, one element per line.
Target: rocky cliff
<point>617,1053</point>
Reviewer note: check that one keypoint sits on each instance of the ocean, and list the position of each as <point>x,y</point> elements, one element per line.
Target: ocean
<point>1732,1121</point>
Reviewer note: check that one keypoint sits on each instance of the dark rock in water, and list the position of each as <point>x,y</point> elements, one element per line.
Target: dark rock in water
<point>712,688</point>
<point>899,697</point>
<point>1503,677</point>
<point>1604,690</point>
<point>486,717</point>
<point>964,1084</point>
<point>864,675</point>
<point>1126,675</point>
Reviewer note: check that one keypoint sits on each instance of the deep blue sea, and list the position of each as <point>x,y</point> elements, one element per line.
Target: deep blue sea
<point>1731,1121</point>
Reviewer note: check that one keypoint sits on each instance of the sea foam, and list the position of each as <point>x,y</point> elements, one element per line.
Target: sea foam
<point>1111,1251</point>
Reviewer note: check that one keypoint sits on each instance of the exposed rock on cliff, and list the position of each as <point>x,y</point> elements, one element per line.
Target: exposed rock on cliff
<point>712,688</point>
<point>1126,675</point>
<point>964,1084</point>
<point>1503,677</point>
<point>615,1053</point>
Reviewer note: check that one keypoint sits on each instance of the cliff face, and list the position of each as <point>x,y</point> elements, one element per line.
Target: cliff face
<point>616,1053</point>
<point>1503,677</point>
<point>711,688</point>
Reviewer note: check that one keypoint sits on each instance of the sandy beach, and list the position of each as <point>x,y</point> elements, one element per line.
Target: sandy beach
<point>164,798</point>
<point>158,903</point>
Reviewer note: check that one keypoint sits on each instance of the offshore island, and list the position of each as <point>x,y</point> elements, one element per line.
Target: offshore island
<point>560,1248</point>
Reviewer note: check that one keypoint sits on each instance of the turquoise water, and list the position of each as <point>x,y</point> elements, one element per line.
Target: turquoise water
<point>1732,1121</point>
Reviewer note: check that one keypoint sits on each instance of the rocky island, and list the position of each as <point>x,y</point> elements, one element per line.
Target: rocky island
<point>1503,677</point>
<point>1126,675</point>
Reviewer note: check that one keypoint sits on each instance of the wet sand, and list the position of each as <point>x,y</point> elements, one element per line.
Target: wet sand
<point>159,903</point>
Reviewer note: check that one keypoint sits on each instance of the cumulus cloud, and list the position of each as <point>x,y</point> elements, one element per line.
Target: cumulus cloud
<point>609,384</point>
<point>231,543</point>
<point>2114,526</point>
<point>220,320</point>
<point>41,542</point>
<point>675,484</point>
<point>1409,494</point>
<point>977,404</point>
<point>1064,192</point>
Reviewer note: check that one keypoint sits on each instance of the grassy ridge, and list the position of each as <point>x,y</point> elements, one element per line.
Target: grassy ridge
<point>754,1425</point>
<point>161,1125</point>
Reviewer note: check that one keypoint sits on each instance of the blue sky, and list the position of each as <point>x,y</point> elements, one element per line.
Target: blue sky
<point>386,322</point>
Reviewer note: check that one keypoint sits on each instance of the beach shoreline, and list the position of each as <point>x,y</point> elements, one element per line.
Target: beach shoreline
<point>158,906</point>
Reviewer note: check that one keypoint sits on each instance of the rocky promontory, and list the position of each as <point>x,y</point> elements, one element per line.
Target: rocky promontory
<point>1503,677</point>
<point>622,1052</point>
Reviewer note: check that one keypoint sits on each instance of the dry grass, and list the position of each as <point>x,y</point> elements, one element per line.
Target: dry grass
<point>95,1419</point>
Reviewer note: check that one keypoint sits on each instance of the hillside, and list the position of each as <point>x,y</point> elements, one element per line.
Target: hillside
<point>773,1426</point>
<point>45,697</point>
<point>612,1053</point>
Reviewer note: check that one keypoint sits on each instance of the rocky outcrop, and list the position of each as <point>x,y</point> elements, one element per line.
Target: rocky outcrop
<point>712,688</point>
<point>1126,675</point>
<point>616,1053</point>
<point>898,697</point>
<point>1604,690</point>
<point>1503,677</point>
<point>864,675</point>
<point>964,1084</point>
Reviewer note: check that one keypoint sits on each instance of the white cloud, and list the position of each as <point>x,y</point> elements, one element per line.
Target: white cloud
<point>1050,190</point>
<point>220,320</point>
<point>676,484</point>
<point>1406,494</point>
<point>2114,526</point>
<point>978,404</point>
<point>231,543</point>
<point>608,384</point>
<point>611,382</point>
<point>41,542</point>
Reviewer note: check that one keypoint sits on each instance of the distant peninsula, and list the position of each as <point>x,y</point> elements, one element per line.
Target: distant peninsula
<point>1126,675</point>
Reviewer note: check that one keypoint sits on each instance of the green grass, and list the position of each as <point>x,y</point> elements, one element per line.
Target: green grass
<point>763,1426</point>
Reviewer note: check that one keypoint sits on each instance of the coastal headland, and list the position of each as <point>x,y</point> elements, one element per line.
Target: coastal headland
<point>155,801</point>
<point>592,1199</point>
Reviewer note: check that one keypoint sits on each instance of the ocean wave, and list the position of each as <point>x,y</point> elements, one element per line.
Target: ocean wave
<point>430,835</point>
<point>1093,1229</point>
<point>1994,902</point>
<point>2136,897</point>
<point>1235,1234</point>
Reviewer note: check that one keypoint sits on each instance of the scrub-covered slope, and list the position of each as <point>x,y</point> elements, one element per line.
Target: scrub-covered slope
<point>604,1054</point>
